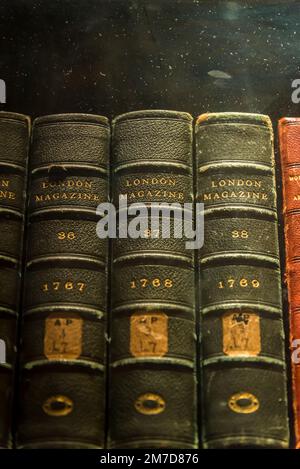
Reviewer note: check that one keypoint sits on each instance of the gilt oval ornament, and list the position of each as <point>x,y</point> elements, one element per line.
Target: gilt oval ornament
<point>58,406</point>
<point>150,404</point>
<point>243,403</point>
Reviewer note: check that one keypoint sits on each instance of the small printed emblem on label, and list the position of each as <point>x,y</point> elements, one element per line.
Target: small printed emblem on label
<point>63,336</point>
<point>149,335</point>
<point>241,333</point>
<point>243,403</point>
<point>150,404</point>
<point>58,406</point>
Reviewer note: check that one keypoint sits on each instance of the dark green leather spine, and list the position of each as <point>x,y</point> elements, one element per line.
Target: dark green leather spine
<point>152,358</point>
<point>62,394</point>
<point>14,142</point>
<point>244,402</point>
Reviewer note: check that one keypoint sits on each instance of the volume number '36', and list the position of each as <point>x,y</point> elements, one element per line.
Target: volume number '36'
<point>70,235</point>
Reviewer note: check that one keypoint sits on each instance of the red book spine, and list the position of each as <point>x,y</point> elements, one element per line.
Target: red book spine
<point>289,138</point>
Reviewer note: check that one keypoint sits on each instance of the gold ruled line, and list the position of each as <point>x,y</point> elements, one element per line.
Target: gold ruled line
<point>243,360</point>
<point>64,362</point>
<point>11,211</point>
<point>8,311</point>
<point>153,360</point>
<point>157,164</point>
<point>93,168</point>
<point>64,209</point>
<point>151,305</point>
<point>44,443</point>
<point>223,440</point>
<point>229,164</point>
<point>65,258</point>
<point>10,259</point>
<point>152,442</point>
<point>65,308</point>
<point>242,305</point>
<point>6,366</point>
<point>224,206</point>
<point>17,167</point>
<point>154,255</point>
<point>292,165</point>
<point>240,255</point>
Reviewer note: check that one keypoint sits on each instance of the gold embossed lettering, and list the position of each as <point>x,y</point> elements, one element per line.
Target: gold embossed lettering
<point>243,282</point>
<point>7,195</point>
<point>70,235</point>
<point>151,282</point>
<point>240,234</point>
<point>67,183</point>
<point>59,285</point>
<point>66,196</point>
<point>151,181</point>
<point>236,183</point>
<point>216,196</point>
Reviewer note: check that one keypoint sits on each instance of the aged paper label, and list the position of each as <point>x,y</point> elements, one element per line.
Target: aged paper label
<point>63,336</point>
<point>241,333</point>
<point>149,335</point>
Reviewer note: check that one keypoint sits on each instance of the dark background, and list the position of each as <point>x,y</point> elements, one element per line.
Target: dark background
<point>112,56</point>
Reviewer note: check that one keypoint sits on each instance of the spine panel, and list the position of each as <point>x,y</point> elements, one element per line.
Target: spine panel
<point>152,359</point>
<point>14,142</point>
<point>64,320</point>
<point>290,165</point>
<point>243,368</point>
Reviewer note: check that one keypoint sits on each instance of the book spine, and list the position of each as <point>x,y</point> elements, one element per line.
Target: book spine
<point>289,132</point>
<point>62,392</point>
<point>152,358</point>
<point>244,401</point>
<point>14,142</point>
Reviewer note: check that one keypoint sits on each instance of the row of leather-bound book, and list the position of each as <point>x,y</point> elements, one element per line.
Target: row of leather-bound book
<point>122,327</point>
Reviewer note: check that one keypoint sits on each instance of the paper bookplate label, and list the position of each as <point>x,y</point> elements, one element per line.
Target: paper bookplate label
<point>241,333</point>
<point>149,335</point>
<point>63,336</point>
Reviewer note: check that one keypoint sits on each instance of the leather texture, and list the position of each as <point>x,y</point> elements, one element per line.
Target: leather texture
<point>243,390</point>
<point>153,279</point>
<point>63,356</point>
<point>289,139</point>
<point>14,142</point>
